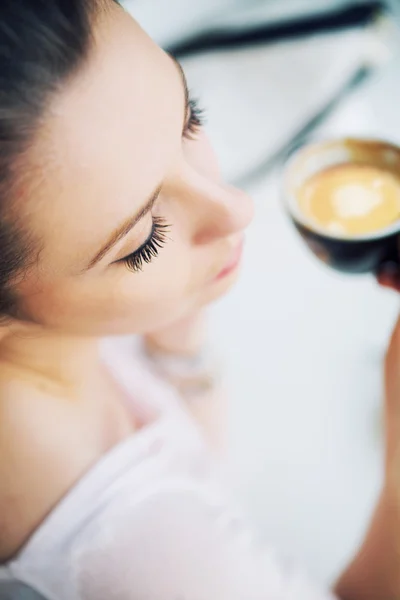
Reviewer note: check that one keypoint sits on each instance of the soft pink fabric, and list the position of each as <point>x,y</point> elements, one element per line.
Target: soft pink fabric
<point>150,522</point>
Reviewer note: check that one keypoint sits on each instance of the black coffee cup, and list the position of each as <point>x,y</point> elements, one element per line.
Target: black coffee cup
<point>359,254</point>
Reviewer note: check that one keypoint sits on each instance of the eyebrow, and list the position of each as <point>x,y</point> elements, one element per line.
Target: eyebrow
<point>132,221</point>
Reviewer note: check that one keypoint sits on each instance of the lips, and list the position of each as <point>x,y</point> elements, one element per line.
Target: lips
<point>233,262</point>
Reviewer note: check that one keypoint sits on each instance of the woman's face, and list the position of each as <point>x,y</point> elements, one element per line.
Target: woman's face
<point>118,172</point>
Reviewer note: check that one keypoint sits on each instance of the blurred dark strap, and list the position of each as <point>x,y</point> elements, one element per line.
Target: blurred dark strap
<point>227,39</point>
<point>17,591</point>
<point>306,131</point>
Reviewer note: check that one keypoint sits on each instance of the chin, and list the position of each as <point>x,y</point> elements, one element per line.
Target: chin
<point>220,287</point>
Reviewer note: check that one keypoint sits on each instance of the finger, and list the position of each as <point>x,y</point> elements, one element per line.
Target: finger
<point>389,280</point>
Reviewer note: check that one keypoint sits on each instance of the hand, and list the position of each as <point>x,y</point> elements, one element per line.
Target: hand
<point>392,409</point>
<point>389,276</point>
<point>374,572</point>
<point>185,337</point>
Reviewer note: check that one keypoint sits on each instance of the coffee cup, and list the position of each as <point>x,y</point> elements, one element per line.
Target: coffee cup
<point>360,179</point>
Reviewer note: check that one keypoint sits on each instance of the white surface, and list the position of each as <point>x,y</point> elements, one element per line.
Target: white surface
<point>304,348</point>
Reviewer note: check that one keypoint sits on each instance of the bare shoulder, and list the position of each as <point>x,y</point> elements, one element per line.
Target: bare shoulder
<point>41,458</point>
<point>35,425</point>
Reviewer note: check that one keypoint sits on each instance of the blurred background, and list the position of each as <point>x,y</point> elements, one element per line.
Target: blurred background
<point>303,346</point>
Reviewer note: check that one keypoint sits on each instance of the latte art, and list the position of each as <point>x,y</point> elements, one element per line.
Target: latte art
<point>351,200</point>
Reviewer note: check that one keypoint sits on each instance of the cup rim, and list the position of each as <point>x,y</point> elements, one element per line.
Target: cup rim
<point>293,155</point>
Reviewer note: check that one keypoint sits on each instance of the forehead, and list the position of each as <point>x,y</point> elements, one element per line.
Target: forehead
<point>106,143</point>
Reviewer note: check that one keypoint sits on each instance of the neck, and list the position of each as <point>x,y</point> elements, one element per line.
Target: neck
<point>66,361</point>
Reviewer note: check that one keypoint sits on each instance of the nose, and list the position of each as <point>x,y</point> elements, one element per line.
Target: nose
<point>212,208</point>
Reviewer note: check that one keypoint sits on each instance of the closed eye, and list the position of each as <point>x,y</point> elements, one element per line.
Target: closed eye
<point>196,120</point>
<point>150,249</point>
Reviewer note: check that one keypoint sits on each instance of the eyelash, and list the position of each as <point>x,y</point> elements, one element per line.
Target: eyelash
<point>158,236</point>
<point>150,248</point>
<point>196,120</point>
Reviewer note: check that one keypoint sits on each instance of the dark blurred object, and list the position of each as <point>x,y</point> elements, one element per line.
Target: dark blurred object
<point>17,591</point>
<point>226,39</point>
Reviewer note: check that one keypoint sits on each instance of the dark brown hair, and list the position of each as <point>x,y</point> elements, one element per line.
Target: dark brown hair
<point>42,44</point>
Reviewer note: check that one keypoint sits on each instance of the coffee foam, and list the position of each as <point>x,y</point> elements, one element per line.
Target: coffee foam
<point>351,200</point>
<point>355,200</point>
<point>305,161</point>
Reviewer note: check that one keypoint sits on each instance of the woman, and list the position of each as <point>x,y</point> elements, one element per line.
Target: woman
<point>114,221</point>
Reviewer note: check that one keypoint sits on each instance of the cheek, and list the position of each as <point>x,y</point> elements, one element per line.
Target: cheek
<point>200,154</point>
<point>117,301</point>
<point>164,291</point>
<point>67,304</point>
